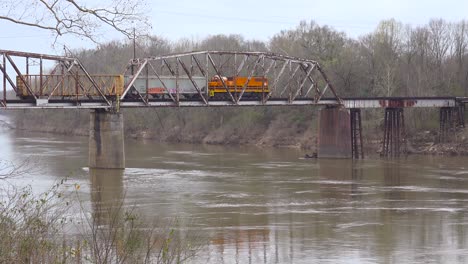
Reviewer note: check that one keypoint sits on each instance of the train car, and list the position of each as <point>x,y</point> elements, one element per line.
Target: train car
<point>157,90</point>
<point>256,87</point>
<point>114,85</point>
<point>69,85</point>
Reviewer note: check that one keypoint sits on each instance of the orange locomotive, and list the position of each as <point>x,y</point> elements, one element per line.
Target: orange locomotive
<point>256,87</point>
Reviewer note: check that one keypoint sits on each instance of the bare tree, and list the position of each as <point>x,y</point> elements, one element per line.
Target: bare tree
<point>72,17</point>
<point>9,169</point>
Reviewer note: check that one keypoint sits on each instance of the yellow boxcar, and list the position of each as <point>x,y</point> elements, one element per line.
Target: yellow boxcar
<point>69,86</point>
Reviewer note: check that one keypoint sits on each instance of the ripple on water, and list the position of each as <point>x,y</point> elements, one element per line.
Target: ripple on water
<point>191,153</point>
<point>136,175</point>
<point>183,163</point>
<point>47,141</point>
<point>275,165</point>
<point>426,189</point>
<point>357,224</point>
<point>233,195</point>
<point>260,204</point>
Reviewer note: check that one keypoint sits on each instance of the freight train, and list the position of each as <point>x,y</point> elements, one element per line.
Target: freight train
<point>57,86</point>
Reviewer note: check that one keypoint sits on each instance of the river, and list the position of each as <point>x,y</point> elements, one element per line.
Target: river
<point>265,205</point>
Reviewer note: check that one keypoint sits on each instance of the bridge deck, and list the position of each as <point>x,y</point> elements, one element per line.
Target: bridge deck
<point>376,102</point>
<point>206,75</point>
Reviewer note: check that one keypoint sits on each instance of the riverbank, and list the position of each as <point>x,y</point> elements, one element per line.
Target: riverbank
<point>262,127</point>
<point>279,127</point>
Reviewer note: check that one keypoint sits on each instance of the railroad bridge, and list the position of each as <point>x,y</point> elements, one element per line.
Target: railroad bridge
<point>207,79</point>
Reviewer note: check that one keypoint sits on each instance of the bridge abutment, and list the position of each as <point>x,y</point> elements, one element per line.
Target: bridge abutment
<point>334,135</point>
<point>106,140</point>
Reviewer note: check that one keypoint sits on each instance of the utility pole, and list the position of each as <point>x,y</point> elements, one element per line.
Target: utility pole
<point>134,49</point>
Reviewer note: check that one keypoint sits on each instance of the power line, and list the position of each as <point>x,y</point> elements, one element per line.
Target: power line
<point>283,20</point>
<point>18,37</point>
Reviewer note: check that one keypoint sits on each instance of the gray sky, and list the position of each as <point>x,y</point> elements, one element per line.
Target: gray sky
<point>259,19</point>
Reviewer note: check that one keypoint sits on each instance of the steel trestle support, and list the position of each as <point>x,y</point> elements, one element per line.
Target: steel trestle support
<point>394,142</point>
<point>450,119</point>
<point>356,134</point>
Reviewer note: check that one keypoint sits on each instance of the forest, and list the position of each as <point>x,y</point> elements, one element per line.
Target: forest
<point>393,60</point>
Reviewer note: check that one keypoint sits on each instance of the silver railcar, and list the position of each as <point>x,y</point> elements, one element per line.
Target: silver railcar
<point>157,89</point>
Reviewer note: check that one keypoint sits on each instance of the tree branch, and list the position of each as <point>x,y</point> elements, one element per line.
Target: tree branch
<point>69,17</point>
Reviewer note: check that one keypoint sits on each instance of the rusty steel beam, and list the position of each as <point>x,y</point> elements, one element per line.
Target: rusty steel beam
<point>277,77</point>
<point>135,76</point>
<point>303,81</point>
<point>221,79</point>
<point>162,82</point>
<point>3,69</point>
<point>249,78</point>
<point>62,78</point>
<point>291,77</point>
<point>37,91</point>
<point>12,63</point>
<point>97,103</point>
<point>329,84</point>
<point>448,118</point>
<point>36,55</point>
<point>103,96</point>
<point>394,141</point>
<point>169,67</point>
<point>399,102</point>
<point>203,72</point>
<point>184,67</point>
<point>241,65</point>
<point>272,66</point>
<point>227,64</point>
<point>357,146</point>
<point>7,77</point>
<point>266,54</point>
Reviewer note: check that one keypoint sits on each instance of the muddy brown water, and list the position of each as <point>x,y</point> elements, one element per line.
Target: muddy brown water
<point>264,205</point>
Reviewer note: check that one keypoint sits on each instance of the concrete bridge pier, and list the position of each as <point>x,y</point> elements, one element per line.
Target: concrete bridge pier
<point>334,135</point>
<point>106,140</point>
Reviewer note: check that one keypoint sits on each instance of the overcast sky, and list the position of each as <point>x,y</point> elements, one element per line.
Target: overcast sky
<point>259,19</point>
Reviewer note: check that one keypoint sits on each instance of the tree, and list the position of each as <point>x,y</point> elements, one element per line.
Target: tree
<point>71,17</point>
<point>384,48</point>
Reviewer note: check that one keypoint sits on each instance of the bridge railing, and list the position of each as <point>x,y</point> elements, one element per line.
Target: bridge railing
<point>58,85</point>
<point>57,76</point>
<point>203,78</point>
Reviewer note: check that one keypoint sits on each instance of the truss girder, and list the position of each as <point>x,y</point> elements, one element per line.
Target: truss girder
<point>51,72</point>
<point>287,77</point>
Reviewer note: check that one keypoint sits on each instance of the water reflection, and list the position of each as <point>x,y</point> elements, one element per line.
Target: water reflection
<point>269,206</point>
<point>107,192</point>
<point>340,178</point>
<point>392,180</point>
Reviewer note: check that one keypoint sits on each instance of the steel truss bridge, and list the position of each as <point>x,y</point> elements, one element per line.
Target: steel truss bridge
<point>292,81</point>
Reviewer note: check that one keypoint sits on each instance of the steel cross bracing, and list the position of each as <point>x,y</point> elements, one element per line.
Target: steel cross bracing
<point>289,79</point>
<point>65,80</point>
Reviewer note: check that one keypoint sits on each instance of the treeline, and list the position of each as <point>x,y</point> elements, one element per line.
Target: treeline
<point>394,60</point>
